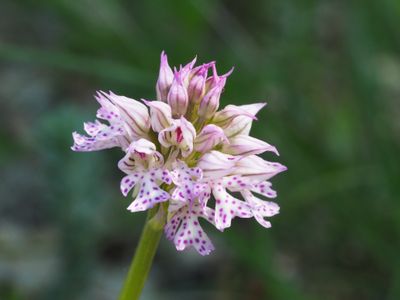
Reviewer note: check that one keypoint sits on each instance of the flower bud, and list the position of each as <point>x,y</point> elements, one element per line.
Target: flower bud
<point>186,72</point>
<point>214,80</point>
<point>177,96</point>
<point>165,78</point>
<point>197,83</point>
<point>210,102</point>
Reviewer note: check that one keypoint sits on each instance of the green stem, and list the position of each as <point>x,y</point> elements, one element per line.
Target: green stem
<point>145,251</point>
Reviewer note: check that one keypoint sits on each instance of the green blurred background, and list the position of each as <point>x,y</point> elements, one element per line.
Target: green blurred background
<point>330,72</point>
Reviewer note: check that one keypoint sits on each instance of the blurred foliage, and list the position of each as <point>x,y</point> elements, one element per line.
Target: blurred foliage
<point>330,71</point>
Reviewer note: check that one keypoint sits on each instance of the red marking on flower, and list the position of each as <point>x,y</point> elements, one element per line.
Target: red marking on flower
<point>141,154</point>
<point>179,135</point>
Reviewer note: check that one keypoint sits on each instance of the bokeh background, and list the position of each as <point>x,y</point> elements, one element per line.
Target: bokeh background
<point>330,72</point>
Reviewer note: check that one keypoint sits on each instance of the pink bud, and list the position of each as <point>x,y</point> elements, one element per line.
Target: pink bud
<point>247,145</point>
<point>213,80</point>
<point>209,137</point>
<point>197,83</point>
<point>210,102</point>
<point>177,96</point>
<point>165,78</point>
<point>186,72</point>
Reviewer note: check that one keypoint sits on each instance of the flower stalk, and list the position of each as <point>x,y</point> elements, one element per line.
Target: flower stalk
<point>144,254</point>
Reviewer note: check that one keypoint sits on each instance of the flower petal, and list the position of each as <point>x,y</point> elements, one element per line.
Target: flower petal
<point>264,188</point>
<point>172,226</point>
<point>188,188</point>
<point>185,230</point>
<point>225,116</point>
<point>227,207</point>
<point>260,208</point>
<point>93,128</point>
<point>160,113</point>
<point>255,167</point>
<point>128,182</point>
<point>102,137</point>
<point>141,155</point>
<point>216,164</point>
<point>132,112</point>
<point>209,137</point>
<point>149,193</point>
<point>246,145</point>
<point>237,119</point>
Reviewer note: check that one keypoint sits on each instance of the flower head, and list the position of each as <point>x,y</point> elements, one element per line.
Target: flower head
<point>180,152</point>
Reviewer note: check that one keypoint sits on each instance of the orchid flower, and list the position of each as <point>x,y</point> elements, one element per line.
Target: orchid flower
<point>211,158</point>
<point>180,151</point>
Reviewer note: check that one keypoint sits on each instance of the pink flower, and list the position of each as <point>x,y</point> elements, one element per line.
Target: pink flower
<point>181,151</point>
<point>180,134</point>
<point>128,121</point>
<point>144,166</point>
